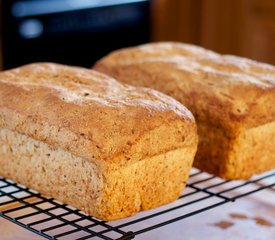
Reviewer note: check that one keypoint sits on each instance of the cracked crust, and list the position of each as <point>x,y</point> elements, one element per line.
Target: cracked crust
<point>103,118</point>
<point>107,148</point>
<point>228,96</point>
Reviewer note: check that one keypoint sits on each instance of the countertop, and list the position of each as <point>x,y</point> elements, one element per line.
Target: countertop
<point>252,218</point>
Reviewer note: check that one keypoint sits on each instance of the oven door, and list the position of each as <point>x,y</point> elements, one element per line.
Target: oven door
<point>69,31</point>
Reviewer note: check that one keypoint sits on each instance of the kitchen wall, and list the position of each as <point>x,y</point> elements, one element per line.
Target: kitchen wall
<point>241,27</point>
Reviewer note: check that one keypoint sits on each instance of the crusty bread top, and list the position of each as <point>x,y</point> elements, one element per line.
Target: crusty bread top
<point>91,114</point>
<point>222,89</point>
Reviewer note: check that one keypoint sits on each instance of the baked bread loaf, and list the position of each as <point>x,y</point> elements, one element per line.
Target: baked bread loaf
<point>232,99</point>
<point>85,139</point>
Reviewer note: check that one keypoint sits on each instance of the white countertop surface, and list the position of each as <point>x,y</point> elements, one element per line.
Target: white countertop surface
<point>249,218</point>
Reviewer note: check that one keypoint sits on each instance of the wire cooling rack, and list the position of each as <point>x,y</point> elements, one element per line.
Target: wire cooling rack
<point>54,220</point>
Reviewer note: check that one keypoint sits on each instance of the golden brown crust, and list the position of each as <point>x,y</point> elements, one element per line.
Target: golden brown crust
<point>224,89</point>
<point>90,114</point>
<point>120,149</point>
<point>230,97</point>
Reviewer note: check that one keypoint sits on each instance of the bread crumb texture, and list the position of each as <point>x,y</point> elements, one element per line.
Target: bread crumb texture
<point>108,195</point>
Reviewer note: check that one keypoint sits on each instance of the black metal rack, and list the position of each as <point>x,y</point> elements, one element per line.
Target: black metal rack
<point>54,220</point>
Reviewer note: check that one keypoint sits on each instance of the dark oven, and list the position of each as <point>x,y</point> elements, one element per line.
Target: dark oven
<point>69,31</point>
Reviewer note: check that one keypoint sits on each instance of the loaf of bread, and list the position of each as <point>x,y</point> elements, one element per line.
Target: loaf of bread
<point>85,139</point>
<point>232,99</point>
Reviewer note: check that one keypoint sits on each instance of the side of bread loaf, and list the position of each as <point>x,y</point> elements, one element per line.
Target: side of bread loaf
<point>81,137</point>
<point>232,99</point>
